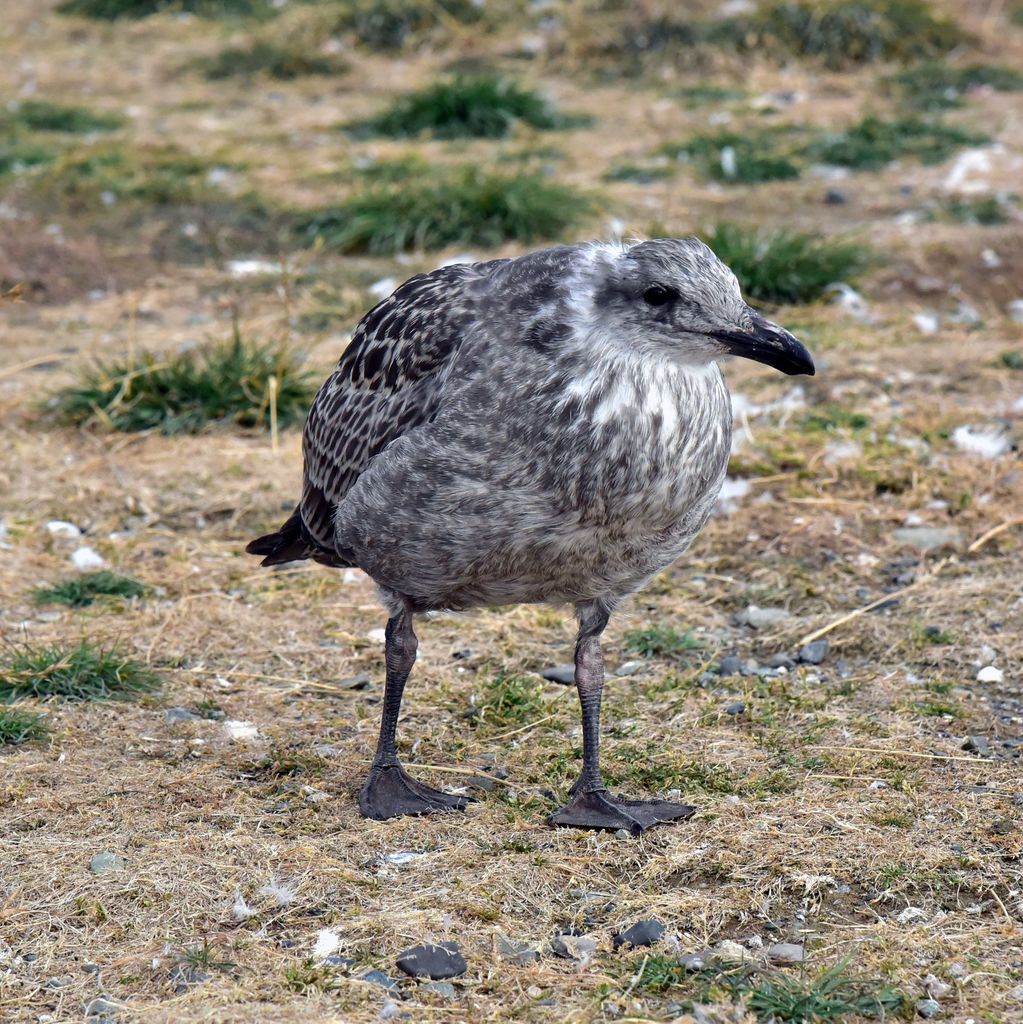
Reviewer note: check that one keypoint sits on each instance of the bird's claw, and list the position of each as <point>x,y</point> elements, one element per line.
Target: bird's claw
<point>388,792</point>
<point>598,810</point>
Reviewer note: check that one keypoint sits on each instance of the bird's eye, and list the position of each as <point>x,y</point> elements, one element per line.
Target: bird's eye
<point>659,295</point>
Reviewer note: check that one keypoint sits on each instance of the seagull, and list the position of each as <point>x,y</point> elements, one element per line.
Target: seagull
<point>552,428</point>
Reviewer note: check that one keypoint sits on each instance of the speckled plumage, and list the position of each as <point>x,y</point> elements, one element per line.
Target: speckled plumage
<point>548,428</point>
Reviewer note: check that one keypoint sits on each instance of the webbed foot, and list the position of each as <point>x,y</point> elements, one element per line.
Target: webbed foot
<point>388,792</point>
<point>599,810</point>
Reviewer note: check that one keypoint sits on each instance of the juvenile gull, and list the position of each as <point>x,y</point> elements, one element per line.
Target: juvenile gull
<point>552,428</point>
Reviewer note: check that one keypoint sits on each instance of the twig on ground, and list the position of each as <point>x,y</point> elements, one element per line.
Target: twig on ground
<point>901,753</point>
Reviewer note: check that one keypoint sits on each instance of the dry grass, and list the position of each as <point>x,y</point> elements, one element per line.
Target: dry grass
<point>839,800</point>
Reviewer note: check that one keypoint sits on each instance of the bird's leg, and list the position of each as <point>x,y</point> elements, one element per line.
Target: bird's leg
<point>388,792</point>
<point>591,805</point>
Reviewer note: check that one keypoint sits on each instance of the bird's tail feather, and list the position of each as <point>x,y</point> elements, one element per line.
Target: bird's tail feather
<point>288,544</point>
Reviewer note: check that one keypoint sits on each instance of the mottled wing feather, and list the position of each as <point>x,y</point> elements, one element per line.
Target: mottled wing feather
<point>387,382</point>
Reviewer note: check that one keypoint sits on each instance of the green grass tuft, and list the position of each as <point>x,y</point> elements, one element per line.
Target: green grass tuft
<point>786,267</point>
<point>467,108</point>
<point>82,672</point>
<point>739,157</point>
<point>389,25</point>
<point>44,116</point>
<point>841,33</point>
<point>984,211</point>
<point>17,726</point>
<point>935,85</point>
<point>510,701</point>
<point>461,207</point>
<point>659,641</point>
<point>874,143</point>
<point>228,382</point>
<point>695,96</point>
<point>116,10</point>
<point>640,174</point>
<point>83,590</point>
<point>282,63</point>
<point>773,995</point>
<point>17,155</point>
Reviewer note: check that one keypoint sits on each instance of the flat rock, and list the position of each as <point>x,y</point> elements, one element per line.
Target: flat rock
<point>101,1008</point>
<point>563,674</point>
<point>514,951</point>
<point>642,933</point>
<point>785,953</point>
<point>781,661</point>
<point>927,538</point>
<point>433,961</point>
<point>104,863</point>
<point>762,618</point>
<point>184,976</point>
<point>731,665</point>
<point>381,979</point>
<point>444,989</point>
<point>990,674</point>
<point>928,1008</point>
<point>698,961</point>
<point>977,745</point>
<point>573,947</point>
<point>815,652</point>
<point>172,715</point>
<point>359,682</point>
<point>630,668</point>
<point>738,708</point>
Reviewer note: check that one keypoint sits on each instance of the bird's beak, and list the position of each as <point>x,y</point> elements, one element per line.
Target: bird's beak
<point>768,343</point>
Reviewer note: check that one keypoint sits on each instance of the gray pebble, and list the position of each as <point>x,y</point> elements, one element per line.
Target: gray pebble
<point>814,653</point>
<point>463,654</point>
<point>184,976</point>
<point>642,933</point>
<point>172,715</point>
<point>928,1007</point>
<point>781,661</point>
<point>433,961</point>
<point>785,953</point>
<point>563,674</point>
<point>54,983</point>
<point>623,833</point>
<point>359,682</point>
<point>103,863</point>
<point>381,979</point>
<point>977,745</point>
<point>101,1008</point>
<point>731,665</point>
<point>927,538</point>
<point>835,197</point>
<point>697,961</point>
<point>519,953</point>
<point>573,947</point>
<point>738,708</point>
<point>630,668</point>
<point>444,989</point>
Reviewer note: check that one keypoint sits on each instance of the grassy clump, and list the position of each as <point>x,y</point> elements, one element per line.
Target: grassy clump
<point>392,24</point>
<point>82,672</point>
<point>841,33</point>
<point>640,174</point>
<point>695,96</point>
<point>467,108</point>
<point>17,155</point>
<point>773,995</point>
<point>116,10</point>
<point>44,116</point>
<point>224,383</point>
<point>984,211</point>
<point>659,641</point>
<point>17,726</point>
<point>874,143</point>
<point>99,176</point>
<point>739,158</point>
<point>510,701</point>
<point>262,57</point>
<point>783,266</point>
<point>85,589</point>
<point>462,207</point>
<point>935,85</point>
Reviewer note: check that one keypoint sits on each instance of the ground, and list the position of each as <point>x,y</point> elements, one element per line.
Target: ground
<point>842,806</point>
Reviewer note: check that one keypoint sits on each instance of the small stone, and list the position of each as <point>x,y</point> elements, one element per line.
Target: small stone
<point>62,528</point>
<point>54,983</point>
<point>433,961</point>
<point>381,979</point>
<point>518,953</point>
<point>731,665</point>
<point>444,989</point>
<point>738,708</point>
<point>835,197</point>
<point>928,1007</point>
<point>359,682</point>
<point>184,976</point>
<point>240,731</point>
<point>103,863</point>
<point>85,559</point>
<point>1003,826</point>
<point>623,833</point>
<point>562,674</point>
<point>762,618</point>
<point>630,668</point>
<point>935,987</point>
<point>977,745</point>
<point>785,953</point>
<point>730,952</point>
<point>990,674</point>
<point>927,538</point>
<point>697,961</point>
<point>101,1008</point>
<point>814,653</point>
<point>781,661</point>
<point>573,947</point>
<point>172,715</point>
<point>642,933</point>
<point>463,654</point>
<point>377,636</point>
<point>481,782</point>
<point>336,960</point>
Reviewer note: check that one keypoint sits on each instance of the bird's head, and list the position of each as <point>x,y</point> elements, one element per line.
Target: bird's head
<point>675,296</point>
